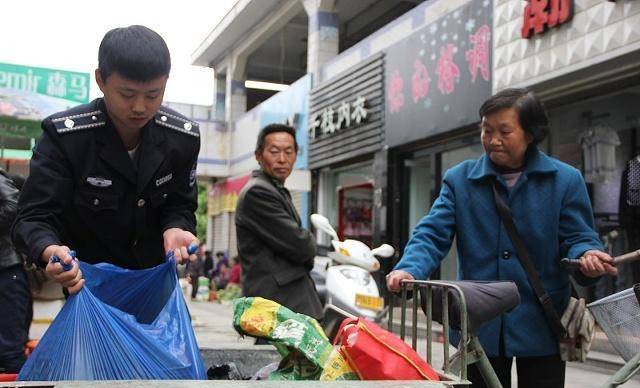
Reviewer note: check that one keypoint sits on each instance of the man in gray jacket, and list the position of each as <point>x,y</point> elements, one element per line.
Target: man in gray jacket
<point>277,253</point>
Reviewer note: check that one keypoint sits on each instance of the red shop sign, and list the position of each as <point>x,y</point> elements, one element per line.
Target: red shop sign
<point>542,14</point>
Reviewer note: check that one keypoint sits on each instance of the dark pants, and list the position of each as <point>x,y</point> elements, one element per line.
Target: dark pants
<point>194,285</point>
<point>15,305</point>
<point>546,371</point>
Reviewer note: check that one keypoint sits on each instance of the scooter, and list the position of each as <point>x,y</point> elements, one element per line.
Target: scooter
<point>349,288</point>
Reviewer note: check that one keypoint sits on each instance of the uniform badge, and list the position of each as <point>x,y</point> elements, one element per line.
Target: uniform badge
<point>76,122</point>
<point>99,181</point>
<point>177,122</point>
<point>164,179</point>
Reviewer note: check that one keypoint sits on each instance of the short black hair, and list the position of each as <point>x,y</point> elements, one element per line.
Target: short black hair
<point>531,113</point>
<point>273,128</point>
<point>135,52</point>
<point>219,253</point>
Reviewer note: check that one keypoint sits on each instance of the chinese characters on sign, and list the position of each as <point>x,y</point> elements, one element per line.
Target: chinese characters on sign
<point>394,91</point>
<point>347,115</point>
<point>438,76</point>
<point>419,81</point>
<point>542,14</point>
<point>67,85</point>
<point>478,55</point>
<point>447,71</point>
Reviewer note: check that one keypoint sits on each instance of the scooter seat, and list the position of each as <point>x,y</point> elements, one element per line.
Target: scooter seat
<point>485,301</point>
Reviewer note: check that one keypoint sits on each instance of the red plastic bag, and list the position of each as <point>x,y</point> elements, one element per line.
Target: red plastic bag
<point>376,354</point>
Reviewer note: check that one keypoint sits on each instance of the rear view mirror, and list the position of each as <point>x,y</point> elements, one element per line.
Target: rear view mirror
<point>384,251</point>
<point>322,223</point>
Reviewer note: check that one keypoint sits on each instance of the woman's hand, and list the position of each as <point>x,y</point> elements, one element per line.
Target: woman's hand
<point>394,279</point>
<point>596,263</point>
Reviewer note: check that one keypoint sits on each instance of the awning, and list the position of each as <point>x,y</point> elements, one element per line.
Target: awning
<point>223,196</point>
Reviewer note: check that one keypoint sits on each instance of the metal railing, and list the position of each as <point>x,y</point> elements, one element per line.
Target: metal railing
<point>454,366</point>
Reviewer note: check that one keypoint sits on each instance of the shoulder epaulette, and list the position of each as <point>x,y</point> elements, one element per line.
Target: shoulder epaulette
<point>79,121</point>
<point>178,123</point>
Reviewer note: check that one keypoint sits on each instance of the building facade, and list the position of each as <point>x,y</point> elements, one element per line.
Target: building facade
<point>585,65</point>
<point>290,42</point>
<point>394,97</point>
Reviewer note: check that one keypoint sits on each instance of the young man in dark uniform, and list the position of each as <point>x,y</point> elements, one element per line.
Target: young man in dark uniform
<point>114,179</point>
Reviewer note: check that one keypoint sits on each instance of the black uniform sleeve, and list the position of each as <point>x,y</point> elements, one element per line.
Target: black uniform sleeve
<point>45,194</point>
<point>264,214</point>
<point>179,211</point>
<point>8,203</point>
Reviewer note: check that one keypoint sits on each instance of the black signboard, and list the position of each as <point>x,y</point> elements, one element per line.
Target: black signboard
<point>346,114</point>
<point>437,78</point>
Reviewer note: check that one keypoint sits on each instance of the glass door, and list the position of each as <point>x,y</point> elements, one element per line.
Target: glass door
<point>448,159</point>
<point>422,175</point>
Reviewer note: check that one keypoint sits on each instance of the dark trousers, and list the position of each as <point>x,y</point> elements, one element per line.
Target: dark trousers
<point>194,285</point>
<point>15,305</point>
<point>545,371</point>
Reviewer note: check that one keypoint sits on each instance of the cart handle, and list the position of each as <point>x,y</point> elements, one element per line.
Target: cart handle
<point>626,258</point>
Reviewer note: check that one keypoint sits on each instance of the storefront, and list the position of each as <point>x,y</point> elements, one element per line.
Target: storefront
<point>436,79</point>
<point>586,68</point>
<point>345,134</point>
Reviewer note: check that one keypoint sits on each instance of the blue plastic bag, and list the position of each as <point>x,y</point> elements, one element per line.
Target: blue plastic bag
<point>122,325</point>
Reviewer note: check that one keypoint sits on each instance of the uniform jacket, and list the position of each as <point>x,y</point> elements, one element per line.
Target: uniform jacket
<point>552,213</point>
<point>276,252</point>
<point>8,208</point>
<point>86,192</point>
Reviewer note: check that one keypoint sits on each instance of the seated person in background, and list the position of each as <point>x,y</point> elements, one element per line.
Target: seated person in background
<point>208,264</point>
<point>224,274</point>
<point>221,259</point>
<point>236,271</point>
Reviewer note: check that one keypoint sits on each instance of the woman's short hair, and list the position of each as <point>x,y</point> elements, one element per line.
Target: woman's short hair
<point>531,113</point>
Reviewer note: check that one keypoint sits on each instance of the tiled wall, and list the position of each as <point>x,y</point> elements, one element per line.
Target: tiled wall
<point>600,30</point>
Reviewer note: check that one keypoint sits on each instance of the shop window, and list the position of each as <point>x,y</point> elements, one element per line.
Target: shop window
<point>355,210</point>
<point>346,199</point>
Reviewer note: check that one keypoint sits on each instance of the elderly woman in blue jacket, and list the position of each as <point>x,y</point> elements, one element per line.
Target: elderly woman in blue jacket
<point>552,213</point>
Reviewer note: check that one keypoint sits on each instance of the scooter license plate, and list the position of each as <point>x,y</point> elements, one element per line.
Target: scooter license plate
<point>369,302</point>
